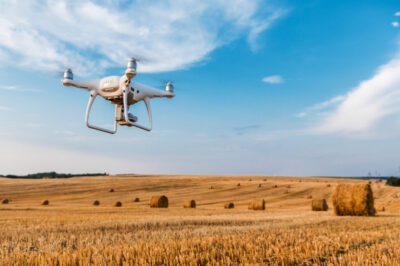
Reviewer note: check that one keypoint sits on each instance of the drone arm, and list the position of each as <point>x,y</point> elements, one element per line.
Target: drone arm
<point>147,103</point>
<point>93,95</point>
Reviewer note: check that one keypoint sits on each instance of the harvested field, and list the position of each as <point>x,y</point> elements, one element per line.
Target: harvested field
<point>71,231</point>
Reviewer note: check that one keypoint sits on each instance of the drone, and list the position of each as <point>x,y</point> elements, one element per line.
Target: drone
<point>121,91</point>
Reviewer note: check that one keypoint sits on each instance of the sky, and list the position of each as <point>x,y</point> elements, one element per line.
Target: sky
<point>305,88</point>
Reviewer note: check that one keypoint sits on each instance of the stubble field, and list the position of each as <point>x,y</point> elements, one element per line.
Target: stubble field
<point>70,230</point>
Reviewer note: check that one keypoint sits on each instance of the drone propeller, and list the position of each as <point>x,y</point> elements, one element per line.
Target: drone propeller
<point>58,72</point>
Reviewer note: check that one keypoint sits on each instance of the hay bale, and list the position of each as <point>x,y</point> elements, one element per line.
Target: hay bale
<point>118,204</point>
<point>111,190</point>
<point>136,200</point>
<point>5,201</point>
<point>265,179</point>
<point>238,184</point>
<point>259,185</point>
<point>229,205</point>
<point>383,209</point>
<point>96,203</point>
<point>257,205</point>
<point>249,179</point>
<point>286,192</point>
<point>275,186</point>
<point>45,202</point>
<point>309,197</point>
<point>159,202</point>
<point>328,185</point>
<point>319,205</point>
<point>288,186</point>
<point>189,204</point>
<point>357,200</point>
<point>211,187</point>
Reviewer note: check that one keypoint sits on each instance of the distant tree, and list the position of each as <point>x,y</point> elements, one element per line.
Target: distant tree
<point>393,181</point>
<point>52,175</point>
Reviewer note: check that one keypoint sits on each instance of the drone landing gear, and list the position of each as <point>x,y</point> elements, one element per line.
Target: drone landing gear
<point>92,97</point>
<point>126,109</point>
<point>122,116</point>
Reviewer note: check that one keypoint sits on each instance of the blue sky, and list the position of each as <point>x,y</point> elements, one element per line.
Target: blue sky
<point>262,87</point>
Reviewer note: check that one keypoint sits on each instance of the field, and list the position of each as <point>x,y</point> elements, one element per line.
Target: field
<point>71,230</point>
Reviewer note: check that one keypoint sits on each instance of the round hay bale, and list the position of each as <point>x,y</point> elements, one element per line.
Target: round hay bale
<point>319,205</point>
<point>136,200</point>
<point>309,197</point>
<point>111,190</point>
<point>328,185</point>
<point>189,204</point>
<point>286,192</point>
<point>45,202</point>
<point>257,205</point>
<point>259,185</point>
<point>118,204</point>
<point>159,202</point>
<point>288,186</point>
<point>275,186</point>
<point>249,179</point>
<point>383,209</point>
<point>5,201</point>
<point>96,203</point>
<point>238,184</point>
<point>265,179</point>
<point>229,205</point>
<point>211,187</point>
<point>355,200</point>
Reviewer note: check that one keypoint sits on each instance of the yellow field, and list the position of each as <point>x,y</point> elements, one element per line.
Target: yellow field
<point>72,231</point>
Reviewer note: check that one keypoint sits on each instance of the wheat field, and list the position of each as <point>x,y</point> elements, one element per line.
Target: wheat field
<point>72,231</point>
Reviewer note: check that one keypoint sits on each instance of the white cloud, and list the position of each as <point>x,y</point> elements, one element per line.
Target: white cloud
<point>367,104</point>
<point>395,24</point>
<point>16,88</point>
<point>320,106</point>
<point>301,114</point>
<point>5,108</point>
<point>273,79</point>
<point>397,14</point>
<point>88,35</point>
<point>39,158</point>
<point>33,125</point>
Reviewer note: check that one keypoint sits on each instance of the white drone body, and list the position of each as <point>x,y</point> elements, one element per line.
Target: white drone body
<point>119,90</point>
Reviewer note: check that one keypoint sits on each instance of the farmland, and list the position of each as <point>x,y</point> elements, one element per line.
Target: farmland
<point>71,230</point>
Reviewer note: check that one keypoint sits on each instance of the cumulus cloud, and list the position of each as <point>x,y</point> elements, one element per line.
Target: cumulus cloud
<point>88,35</point>
<point>395,24</point>
<point>365,105</point>
<point>273,79</point>
<point>397,14</point>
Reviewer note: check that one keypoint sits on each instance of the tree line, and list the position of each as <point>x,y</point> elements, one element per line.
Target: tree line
<point>52,175</point>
